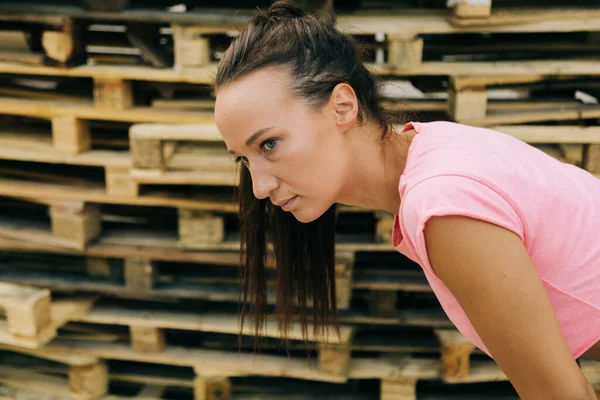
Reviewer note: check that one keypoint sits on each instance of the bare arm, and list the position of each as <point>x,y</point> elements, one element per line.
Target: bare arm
<point>488,270</point>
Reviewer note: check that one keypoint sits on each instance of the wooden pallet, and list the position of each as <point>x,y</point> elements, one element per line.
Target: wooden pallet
<point>74,223</point>
<point>151,330</point>
<point>215,370</point>
<point>128,380</point>
<point>384,296</point>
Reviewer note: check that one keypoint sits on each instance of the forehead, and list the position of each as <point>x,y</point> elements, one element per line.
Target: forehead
<point>258,98</point>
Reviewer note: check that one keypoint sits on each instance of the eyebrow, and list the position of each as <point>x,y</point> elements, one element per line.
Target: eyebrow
<point>254,137</point>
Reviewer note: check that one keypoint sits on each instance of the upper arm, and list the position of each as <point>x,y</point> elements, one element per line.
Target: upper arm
<point>490,273</point>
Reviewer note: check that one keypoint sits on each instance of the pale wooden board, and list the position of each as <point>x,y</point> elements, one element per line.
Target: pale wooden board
<point>198,177</point>
<point>206,322</point>
<point>39,232</point>
<point>25,146</point>
<point>45,385</point>
<point>551,134</point>
<point>228,363</point>
<point>407,23</point>
<point>51,191</point>
<point>205,75</point>
<point>558,114</point>
<point>196,132</point>
<point>126,251</point>
<point>48,109</point>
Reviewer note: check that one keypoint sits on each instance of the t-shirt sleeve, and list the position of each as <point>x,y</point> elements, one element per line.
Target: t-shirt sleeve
<point>454,195</point>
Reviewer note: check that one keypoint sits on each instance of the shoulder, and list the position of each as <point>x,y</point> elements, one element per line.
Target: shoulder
<point>458,196</point>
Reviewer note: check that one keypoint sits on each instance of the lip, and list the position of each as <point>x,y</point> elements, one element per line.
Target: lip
<point>286,205</point>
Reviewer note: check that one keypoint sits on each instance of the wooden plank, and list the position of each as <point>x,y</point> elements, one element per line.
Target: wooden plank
<point>551,134</point>
<point>419,22</point>
<point>50,109</point>
<point>37,146</point>
<point>15,188</point>
<point>205,74</point>
<point>124,251</point>
<point>559,114</point>
<point>207,132</point>
<point>216,178</point>
<point>217,362</point>
<point>505,68</point>
<point>207,321</point>
<point>47,386</point>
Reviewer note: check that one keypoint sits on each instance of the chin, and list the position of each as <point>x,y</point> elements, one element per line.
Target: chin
<point>306,215</point>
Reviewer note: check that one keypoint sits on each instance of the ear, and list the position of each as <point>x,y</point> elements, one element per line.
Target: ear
<point>345,105</point>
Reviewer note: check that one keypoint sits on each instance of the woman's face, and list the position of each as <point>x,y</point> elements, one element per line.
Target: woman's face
<point>292,152</point>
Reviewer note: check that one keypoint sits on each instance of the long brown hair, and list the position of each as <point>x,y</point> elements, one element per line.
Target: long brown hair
<point>318,57</point>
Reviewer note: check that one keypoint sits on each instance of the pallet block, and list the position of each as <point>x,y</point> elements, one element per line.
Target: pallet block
<point>456,350</point>
<point>75,223</point>
<point>28,312</point>
<point>70,135</point>
<point>140,274</point>
<point>89,381</point>
<point>471,8</point>
<point>211,387</point>
<point>405,52</point>
<point>191,46</point>
<point>113,93</point>
<point>199,227</point>
<point>32,318</point>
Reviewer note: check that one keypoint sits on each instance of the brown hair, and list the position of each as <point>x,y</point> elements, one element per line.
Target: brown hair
<point>318,57</point>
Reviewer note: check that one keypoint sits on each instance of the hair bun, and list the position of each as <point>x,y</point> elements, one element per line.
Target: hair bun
<point>284,9</point>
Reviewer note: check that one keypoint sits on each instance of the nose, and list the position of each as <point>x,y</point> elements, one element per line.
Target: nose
<point>263,182</point>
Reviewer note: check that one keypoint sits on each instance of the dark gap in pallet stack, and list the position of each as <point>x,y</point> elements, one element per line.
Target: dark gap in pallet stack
<point>521,46</point>
<point>62,174</point>
<point>51,88</point>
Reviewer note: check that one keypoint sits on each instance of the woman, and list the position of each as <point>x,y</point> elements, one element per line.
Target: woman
<point>505,234</point>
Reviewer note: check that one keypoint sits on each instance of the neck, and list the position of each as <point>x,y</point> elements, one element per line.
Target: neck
<point>374,168</point>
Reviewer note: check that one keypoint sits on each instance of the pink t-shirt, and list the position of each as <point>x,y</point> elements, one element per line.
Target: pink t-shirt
<point>553,207</point>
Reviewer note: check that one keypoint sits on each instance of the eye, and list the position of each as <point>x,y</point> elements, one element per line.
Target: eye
<point>268,144</point>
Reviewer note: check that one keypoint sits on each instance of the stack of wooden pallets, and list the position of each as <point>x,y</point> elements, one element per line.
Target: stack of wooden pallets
<point>118,227</point>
